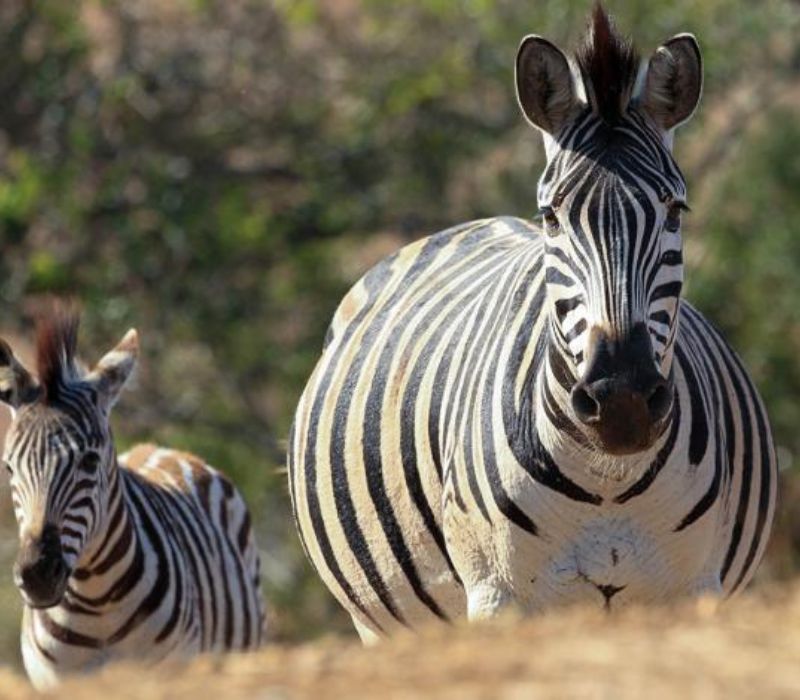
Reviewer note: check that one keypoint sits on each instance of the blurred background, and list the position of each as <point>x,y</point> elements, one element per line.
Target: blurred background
<point>218,172</point>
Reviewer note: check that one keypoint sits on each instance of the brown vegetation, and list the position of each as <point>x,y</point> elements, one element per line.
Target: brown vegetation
<point>747,648</point>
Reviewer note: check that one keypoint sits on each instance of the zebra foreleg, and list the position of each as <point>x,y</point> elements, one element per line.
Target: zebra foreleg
<point>706,585</point>
<point>369,638</point>
<point>487,600</point>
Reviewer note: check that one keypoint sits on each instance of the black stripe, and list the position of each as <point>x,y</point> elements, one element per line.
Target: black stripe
<point>519,425</point>
<point>698,437</point>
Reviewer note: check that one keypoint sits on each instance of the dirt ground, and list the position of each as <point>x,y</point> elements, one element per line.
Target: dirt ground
<point>747,648</point>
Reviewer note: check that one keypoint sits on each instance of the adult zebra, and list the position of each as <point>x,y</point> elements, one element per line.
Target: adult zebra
<point>150,556</point>
<point>508,414</point>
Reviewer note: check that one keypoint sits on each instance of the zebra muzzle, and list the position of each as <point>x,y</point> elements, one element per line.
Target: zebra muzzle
<point>622,400</point>
<point>40,572</point>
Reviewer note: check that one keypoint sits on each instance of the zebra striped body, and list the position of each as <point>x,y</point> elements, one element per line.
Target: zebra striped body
<point>451,454</point>
<point>150,556</point>
<point>419,479</point>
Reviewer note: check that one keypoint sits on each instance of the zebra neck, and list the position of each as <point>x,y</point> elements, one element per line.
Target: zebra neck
<point>115,546</point>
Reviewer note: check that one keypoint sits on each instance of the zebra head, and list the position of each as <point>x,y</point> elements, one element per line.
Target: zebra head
<point>59,452</point>
<point>611,197</point>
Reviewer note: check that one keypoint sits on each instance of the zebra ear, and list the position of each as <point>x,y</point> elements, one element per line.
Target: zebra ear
<point>674,82</point>
<point>114,369</point>
<point>545,88</point>
<point>17,385</point>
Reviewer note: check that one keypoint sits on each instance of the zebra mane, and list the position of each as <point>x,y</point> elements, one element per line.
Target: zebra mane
<point>608,63</point>
<point>56,347</point>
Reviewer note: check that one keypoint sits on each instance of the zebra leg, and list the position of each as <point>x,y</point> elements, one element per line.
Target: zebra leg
<point>369,638</point>
<point>706,585</point>
<point>473,544</point>
<point>41,670</point>
<point>487,600</point>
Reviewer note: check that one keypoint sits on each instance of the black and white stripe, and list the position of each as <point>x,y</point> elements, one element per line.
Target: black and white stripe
<point>148,557</point>
<point>438,466</point>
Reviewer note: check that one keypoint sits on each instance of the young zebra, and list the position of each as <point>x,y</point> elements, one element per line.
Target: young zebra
<point>513,414</point>
<point>149,556</point>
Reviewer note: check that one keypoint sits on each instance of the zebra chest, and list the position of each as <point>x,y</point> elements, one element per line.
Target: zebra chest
<point>607,560</point>
<point>73,640</point>
<point>618,556</point>
<point>540,536</point>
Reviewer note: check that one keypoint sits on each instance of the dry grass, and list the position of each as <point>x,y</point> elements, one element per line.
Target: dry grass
<point>746,648</point>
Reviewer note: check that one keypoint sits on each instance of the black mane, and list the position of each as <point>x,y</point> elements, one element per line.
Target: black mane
<point>56,346</point>
<point>608,63</point>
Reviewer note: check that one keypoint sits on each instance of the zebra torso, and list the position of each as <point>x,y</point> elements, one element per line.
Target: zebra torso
<point>176,573</point>
<point>420,480</point>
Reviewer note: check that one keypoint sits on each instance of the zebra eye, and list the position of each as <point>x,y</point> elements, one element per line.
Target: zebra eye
<point>673,220</point>
<point>89,462</point>
<point>551,225</point>
<point>8,467</point>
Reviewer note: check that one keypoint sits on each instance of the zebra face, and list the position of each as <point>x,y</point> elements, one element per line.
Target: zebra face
<point>59,453</point>
<point>611,197</point>
<point>57,460</point>
<point>614,272</point>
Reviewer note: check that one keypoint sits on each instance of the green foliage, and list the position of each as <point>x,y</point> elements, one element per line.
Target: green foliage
<point>218,172</point>
<point>747,280</point>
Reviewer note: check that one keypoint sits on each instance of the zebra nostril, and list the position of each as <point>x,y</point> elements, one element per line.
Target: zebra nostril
<point>586,407</point>
<point>658,402</point>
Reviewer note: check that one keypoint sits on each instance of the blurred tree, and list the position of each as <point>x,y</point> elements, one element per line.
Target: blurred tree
<point>217,172</point>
